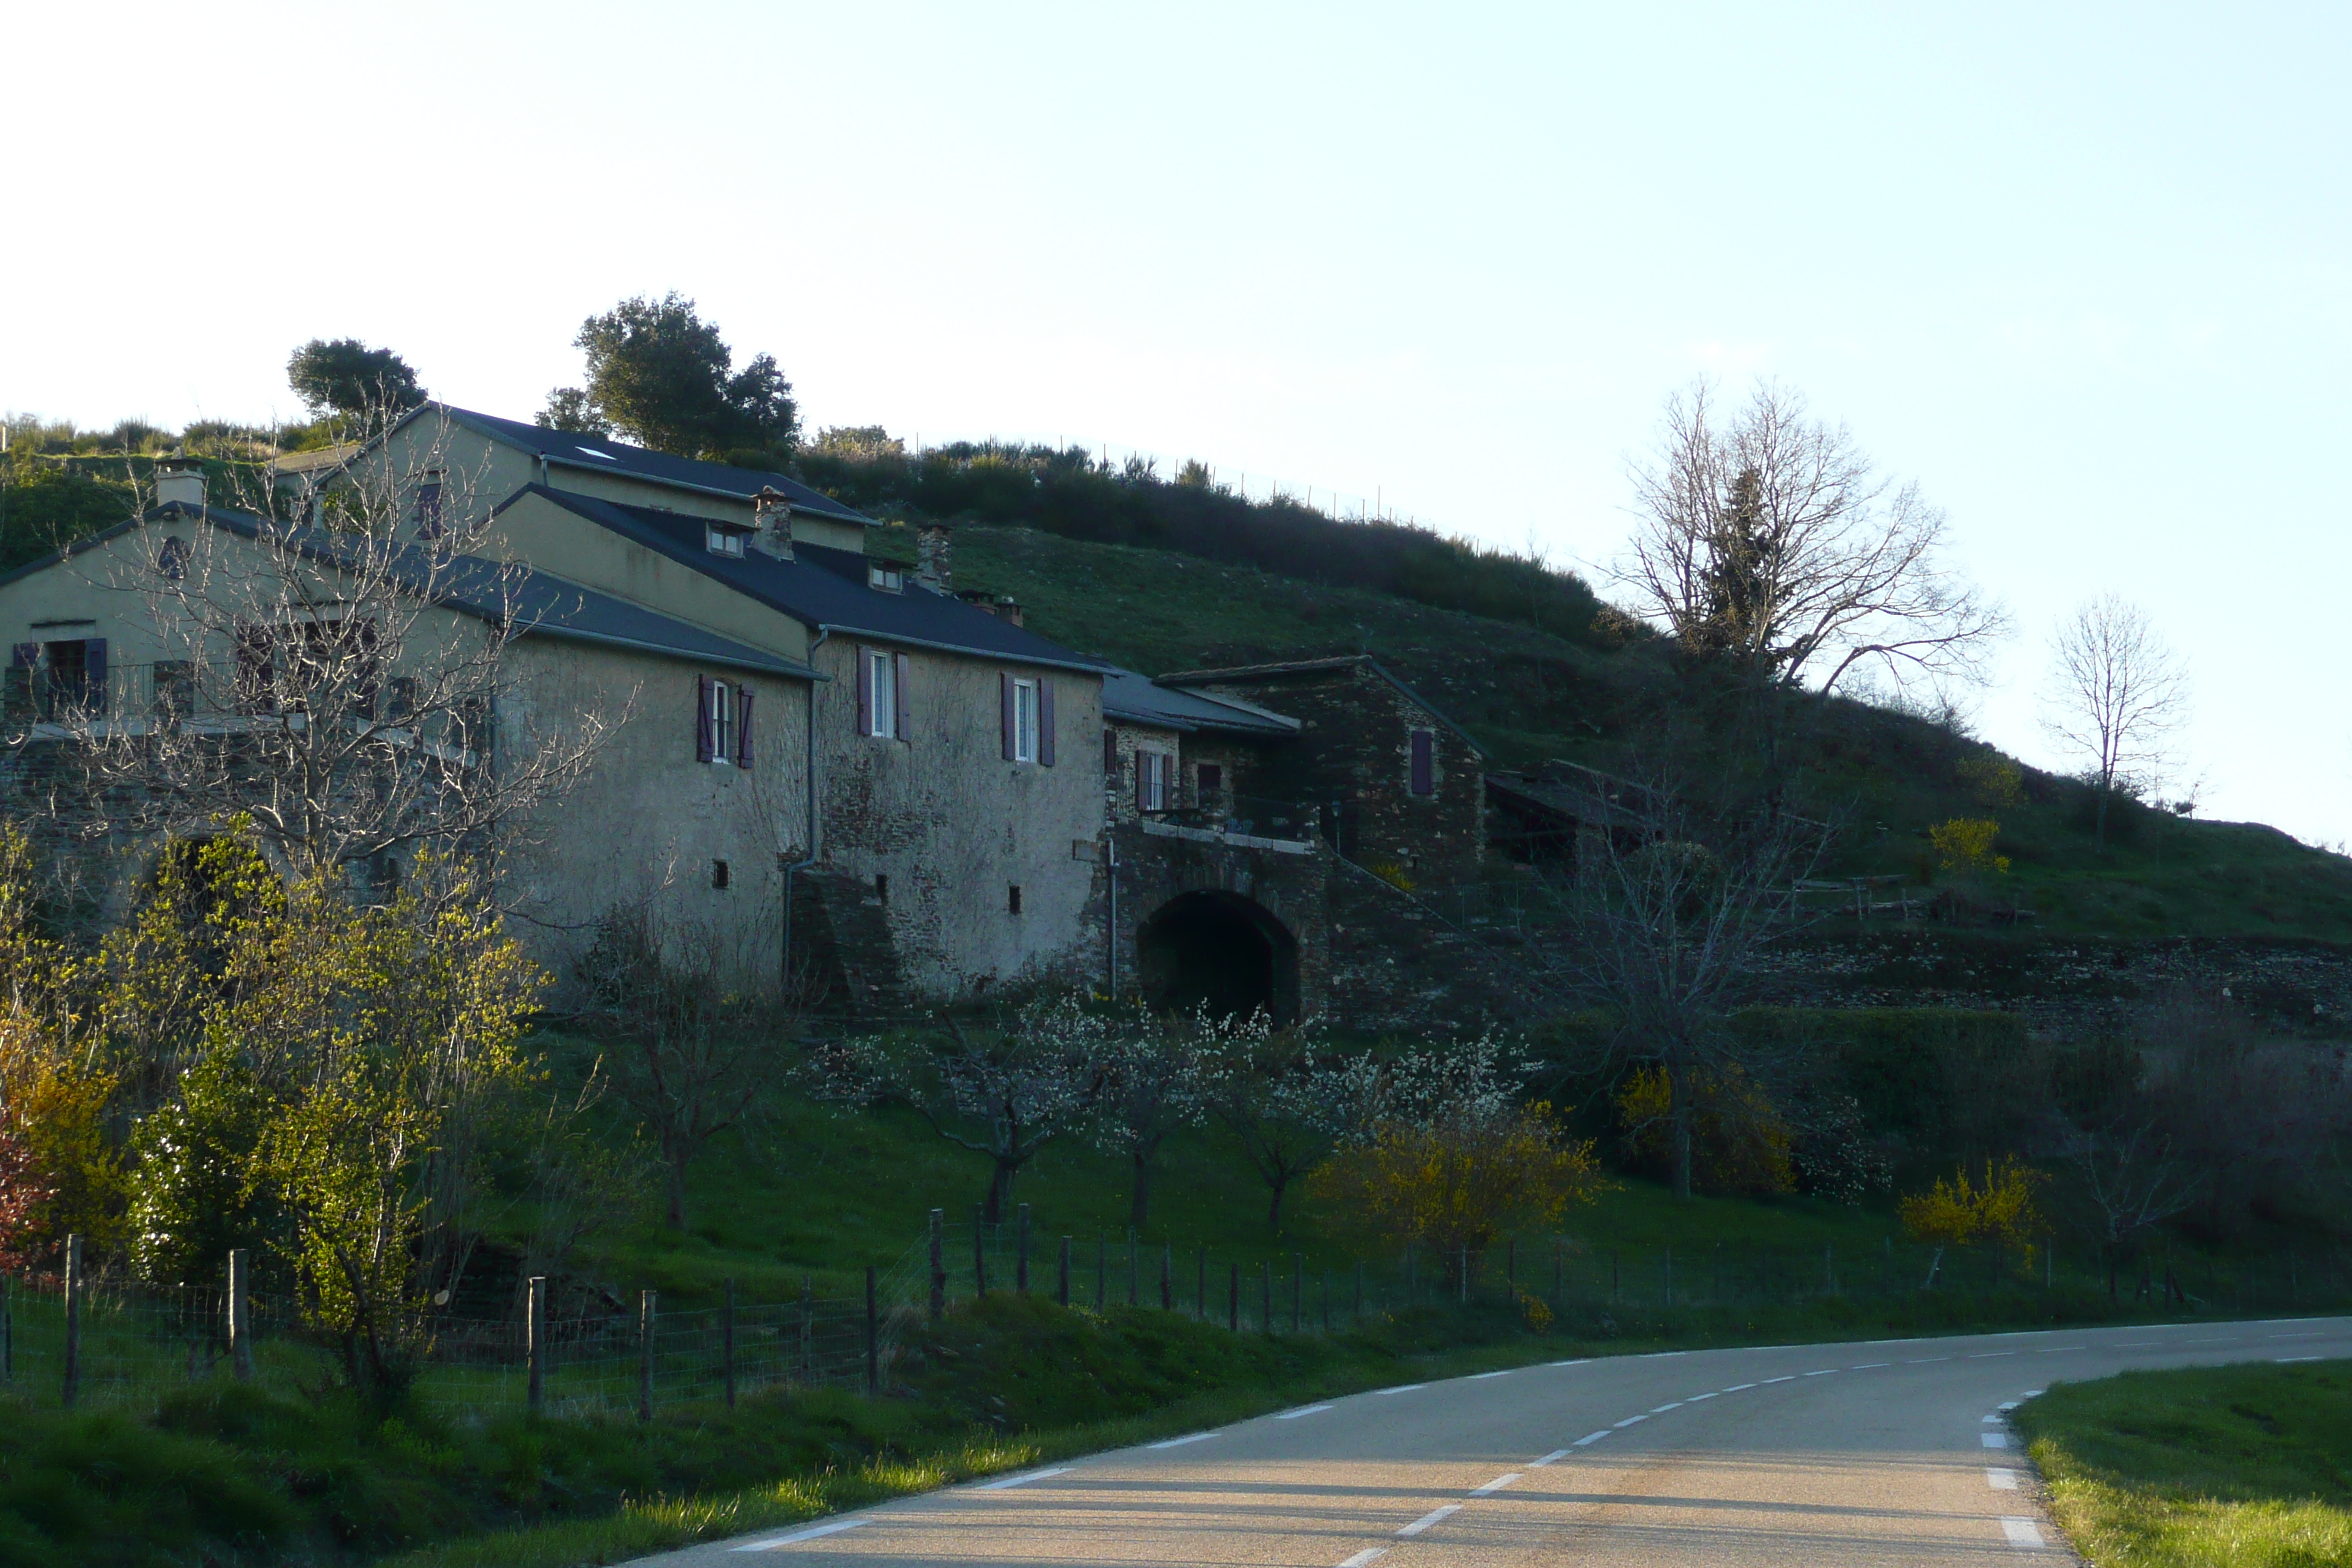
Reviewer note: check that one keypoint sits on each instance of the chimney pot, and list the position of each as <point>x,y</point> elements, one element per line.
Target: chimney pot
<point>772,523</point>
<point>934,558</point>
<point>180,479</point>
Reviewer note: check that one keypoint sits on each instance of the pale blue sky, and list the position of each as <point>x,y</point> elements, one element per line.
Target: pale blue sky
<point>2080,270</point>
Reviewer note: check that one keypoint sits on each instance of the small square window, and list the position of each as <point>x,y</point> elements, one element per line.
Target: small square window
<point>1024,720</point>
<point>723,541</point>
<point>889,579</point>
<point>1013,900</point>
<point>720,875</point>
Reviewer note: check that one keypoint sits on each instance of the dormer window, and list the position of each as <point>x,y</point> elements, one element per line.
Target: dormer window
<point>889,579</point>
<point>720,540</point>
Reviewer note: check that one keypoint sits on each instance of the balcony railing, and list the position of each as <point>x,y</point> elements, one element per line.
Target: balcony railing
<point>1255,817</point>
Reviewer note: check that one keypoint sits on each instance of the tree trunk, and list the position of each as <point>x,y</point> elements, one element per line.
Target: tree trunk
<point>674,1183</point>
<point>2099,818</point>
<point>1280,1183</point>
<point>999,1189</point>
<point>1141,1203</point>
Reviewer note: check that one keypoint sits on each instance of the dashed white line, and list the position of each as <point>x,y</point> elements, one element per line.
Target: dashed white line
<point>812,1533</point>
<point>1579,1361</point>
<point>2006,1405</point>
<point>1497,1484</point>
<point>1678,1405</point>
<point>2031,1394</point>
<point>1400,1388</point>
<point>1993,1440</point>
<point>1823,1373</point>
<point>1870,1365</point>
<point>1737,1386</point>
<point>2285,1359</point>
<point>2054,1350</point>
<point>1366,1558</point>
<point>1432,1517</point>
<point>1588,1439</point>
<point>1180,1442</point>
<point>1927,1361</point>
<point>1769,1382</point>
<point>1482,1376</point>
<point>1021,1480</point>
<point>1553,1457</point>
<point>1309,1410</point>
<point>2022,1531</point>
<point>1629,1421</point>
<point>1694,1399</point>
<point>1989,1355</point>
<point>1994,1420</point>
<point>2002,1480</point>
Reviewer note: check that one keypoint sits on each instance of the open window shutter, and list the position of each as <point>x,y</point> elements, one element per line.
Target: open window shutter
<point>1004,710</point>
<point>93,664</point>
<point>866,691</point>
<point>1142,769</point>
<point>706,745</point>
<point>1424,762</point>
<point>902,722</point>
<point>742,729</point>
<point>1045,722</point>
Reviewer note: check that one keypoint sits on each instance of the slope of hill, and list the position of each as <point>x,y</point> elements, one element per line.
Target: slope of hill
<point>1529,694</point>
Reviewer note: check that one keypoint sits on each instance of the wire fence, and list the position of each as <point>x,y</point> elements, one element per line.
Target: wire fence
<point>108,1344</point>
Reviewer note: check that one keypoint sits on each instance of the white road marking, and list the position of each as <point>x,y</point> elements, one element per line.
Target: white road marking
<point>835,1528</point>
<point>2213,1340</point>
<point>1767,1382</point>
<point>1366,1558</point>
<point>1497,1484</point>
<point>1694,1399</point>
<point>2022,1531</point>
<point>2031,1394</point>
<point>1589,1438</point>
<point>1994,1420</point>
<point>1869,1365</point>
<point>2310,1336</point>
<point>2136,1344</point>
<point>1927,1361</point>
<point>2006,1405</point>
<point>2054,1350</point>
<point>2002,1480</point>
<point>1628,1420</point>
<point>1021,1480</point>
<point>1578,1362</point>
<point>1993,1440</point>
<point>1552,1457</point>
<point>1737,1386</point>
<point>1400,1388</point>
<point>1988,1355</point>
<point>1310,1410</point>
<point>1482,1376</point>
<point>1432,1517</point>
<point>1823,1373</point>
<point>1180,1442</point>
<point>2284,1359</point>
<point>1678,1405</point>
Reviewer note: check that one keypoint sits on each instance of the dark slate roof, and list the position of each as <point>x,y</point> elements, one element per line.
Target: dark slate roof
<point>822,587</point>
<point>1273,674</point>
<point>1139,699</point>
<point>596,453</point>
<point>530,603</point>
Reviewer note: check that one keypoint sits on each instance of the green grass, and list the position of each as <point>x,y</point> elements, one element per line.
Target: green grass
<point>2236,1466</point>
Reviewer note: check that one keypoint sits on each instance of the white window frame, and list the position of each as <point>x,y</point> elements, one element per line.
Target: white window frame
<point>885,579</point>
<point>1024,720</point>
<point>882,688</point>
<point>1152,776</point>
<point>722,724</point>
<point>722,541</point>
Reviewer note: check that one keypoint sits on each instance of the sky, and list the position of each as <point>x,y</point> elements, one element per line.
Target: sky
<point>2079,270</point>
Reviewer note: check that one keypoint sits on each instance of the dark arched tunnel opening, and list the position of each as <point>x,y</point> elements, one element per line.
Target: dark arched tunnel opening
<point>1220,950</point>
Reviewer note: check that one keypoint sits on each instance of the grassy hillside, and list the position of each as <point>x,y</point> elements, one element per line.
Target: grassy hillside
<point>1528,694</point>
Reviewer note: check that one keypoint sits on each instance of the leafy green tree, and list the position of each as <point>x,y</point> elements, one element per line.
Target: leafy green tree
<point>663,377</point>
<point>346,376</point>
<point>201,1189</point>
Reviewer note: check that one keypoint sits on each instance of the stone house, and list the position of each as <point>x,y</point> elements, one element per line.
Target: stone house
<point>836,766</point>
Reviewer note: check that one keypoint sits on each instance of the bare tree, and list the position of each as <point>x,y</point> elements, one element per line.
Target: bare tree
<point>2117,694</point>
<point>1280,1100</point>
<point>1671,912</point>
<point>1771,541</point>
<point>1005,1092</point>
<point>692,1053</point>
<point>334,667</point>
<point>1159,1076</point>
<point>2134,1181</point>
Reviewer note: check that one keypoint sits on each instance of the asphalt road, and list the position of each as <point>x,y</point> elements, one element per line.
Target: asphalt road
<point>1887,1452</point>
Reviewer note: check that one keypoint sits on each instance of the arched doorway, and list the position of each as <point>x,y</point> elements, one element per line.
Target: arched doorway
<point>1219,950</point>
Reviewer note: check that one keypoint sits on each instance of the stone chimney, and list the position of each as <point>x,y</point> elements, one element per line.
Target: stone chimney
<point>772,524</point>
<point>1008,610</point>
<point>934,558</point>
<point>180,479</point>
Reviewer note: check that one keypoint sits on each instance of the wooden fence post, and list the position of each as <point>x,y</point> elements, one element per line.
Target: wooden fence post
<point>534,1342</point>
<point>726,1343</point>
<point>939,1268</point>
<point>649,1317</point>
<point>1462,1261</point>
<point>73,1320</point>
<point>873,1338</point>
<point>241,1315</point>
<point>1021,1259</point>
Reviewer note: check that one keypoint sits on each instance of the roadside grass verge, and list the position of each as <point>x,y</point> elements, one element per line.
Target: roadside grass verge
<point>2230,1467</point>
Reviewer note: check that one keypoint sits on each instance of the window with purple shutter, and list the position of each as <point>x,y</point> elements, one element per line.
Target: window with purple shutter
<point>706,743</point>
<point>866,691</point>
<point>1004,710</point>
<point>902,717</point>
<point>1424,762</point>
<point>1045,723</point>
<point>742,729</point>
